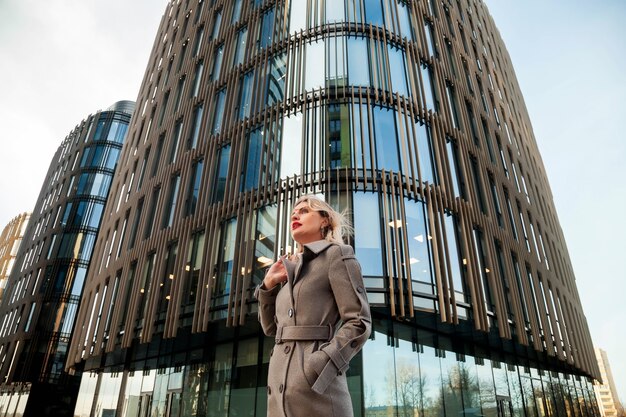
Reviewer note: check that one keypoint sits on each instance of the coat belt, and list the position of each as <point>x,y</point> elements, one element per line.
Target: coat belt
<point>293,333</point>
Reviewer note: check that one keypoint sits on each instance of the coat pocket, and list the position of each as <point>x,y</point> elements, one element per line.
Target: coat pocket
<point>313,365</point>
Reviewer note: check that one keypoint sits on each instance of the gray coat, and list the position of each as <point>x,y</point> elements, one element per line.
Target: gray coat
<point>312,351</point>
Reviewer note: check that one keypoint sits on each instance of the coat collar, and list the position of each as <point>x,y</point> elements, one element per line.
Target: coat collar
<point>317,247</point>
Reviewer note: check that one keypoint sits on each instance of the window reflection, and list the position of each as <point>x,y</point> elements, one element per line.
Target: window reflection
<point>367,239</point>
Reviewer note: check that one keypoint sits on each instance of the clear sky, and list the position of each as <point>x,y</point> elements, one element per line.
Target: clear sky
<point>64,59</point>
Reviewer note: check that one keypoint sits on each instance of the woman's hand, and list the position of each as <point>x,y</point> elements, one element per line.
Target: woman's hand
<point>275,275</point>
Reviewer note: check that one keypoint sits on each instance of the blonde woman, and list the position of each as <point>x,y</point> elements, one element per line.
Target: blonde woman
<point>320,317</point>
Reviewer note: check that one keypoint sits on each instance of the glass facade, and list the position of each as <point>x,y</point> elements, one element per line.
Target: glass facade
<point>39,310</point>
<point>391,110</point>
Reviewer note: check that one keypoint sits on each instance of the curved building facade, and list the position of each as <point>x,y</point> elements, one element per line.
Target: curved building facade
<point>10,241</point>
<point>405,113</point>
<point>40,302</point>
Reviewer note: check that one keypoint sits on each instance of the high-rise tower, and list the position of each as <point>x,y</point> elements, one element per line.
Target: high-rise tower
<point>40,302</point>
<point>406,113</point>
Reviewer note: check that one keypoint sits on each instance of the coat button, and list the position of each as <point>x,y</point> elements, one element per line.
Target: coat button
<point>280,388</point>
<point>269,390</point>
<point>290,312</point>
<point>339,373</point>
<point>359,290</point>
<point>287,349</point>
<point>353,344</point>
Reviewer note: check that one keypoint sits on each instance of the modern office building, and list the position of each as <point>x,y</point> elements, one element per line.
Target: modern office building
<point>606,392</point>
<point>40,302</point>
<point>10,241</point>
<point>406,113</point>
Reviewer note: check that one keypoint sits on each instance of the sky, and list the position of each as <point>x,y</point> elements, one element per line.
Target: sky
<point>62,60</point>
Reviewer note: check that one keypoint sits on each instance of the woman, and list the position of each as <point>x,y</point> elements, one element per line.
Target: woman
<point>323,287</point>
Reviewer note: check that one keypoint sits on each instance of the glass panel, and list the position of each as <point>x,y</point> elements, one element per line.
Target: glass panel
<point>225,268</point>
<point>358,61</point>
<point>291,142</point>
<point>244,382</point>
<point>338,136</point>
<point>276,80</point>
<point>398,71</point>
<point>221,173</point>
<point>367,239</point>
<point>252,166</point>
<point>374,12</point>
<point>245,94</point>
<point>315,60</point>
<point>379,376</point>
<point>220,380</point>
<point>387,156</point>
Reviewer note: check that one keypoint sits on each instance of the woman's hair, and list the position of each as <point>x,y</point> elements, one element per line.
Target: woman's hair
<point>338,223</point>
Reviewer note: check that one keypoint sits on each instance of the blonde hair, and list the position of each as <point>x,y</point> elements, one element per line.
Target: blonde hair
<point>338,223</point>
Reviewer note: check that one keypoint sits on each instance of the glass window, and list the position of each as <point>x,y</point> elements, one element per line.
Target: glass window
<point>276,80</point>
<point>144,292</point>
<point>338,136</point>
<point>175,141</point>
<point>481,256</point>
<point>429,92</point>
<point>291,146</point>
<point>197,78</point>
<point>170,205</point>
<point>154,203</point>
<point>424,149</point>
<point>452,105</point>
<point>194,133</point>
<point>335,11</point>
<point>220,100</point>
<point>195,253</point>
<point>245,94</point>
<point>236,11</point>
<point>193,190</point>
<point>478,184</point>
<point>419,250</point>
<point>266,30</point>
<point>398,71</point>
<point>367,238</point>
<point>297,16</point>
<point>430,41</point>
<point>455,256</point>
<point>265,241</point>
<point>315,60</point>
<point>458,183</point>
<point>221,174</point>
<point>362,151</point>
<point>179,93</point>
<point>374,12</point>
<point>487,388</point>
<point>405,21</point>
<point>198,42</point>
<point>165,287</point>
<point>240,46</point>
<point>217,22</point>
<point>379,377</point>
<point>252,166</point>
<point>386,138</point>
<point>117,132</point>
<point>218,56</point>
<point>225,264</point>
<point>358,61</point>
<point>133,233</point>
<point>336,71</point>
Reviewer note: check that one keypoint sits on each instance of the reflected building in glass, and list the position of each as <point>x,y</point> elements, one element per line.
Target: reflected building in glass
<point>40,302</point>
<point>10,241</point>
<point>407,114</point>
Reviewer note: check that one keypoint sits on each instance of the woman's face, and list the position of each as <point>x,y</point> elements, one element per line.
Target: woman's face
<point>306,224</point>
